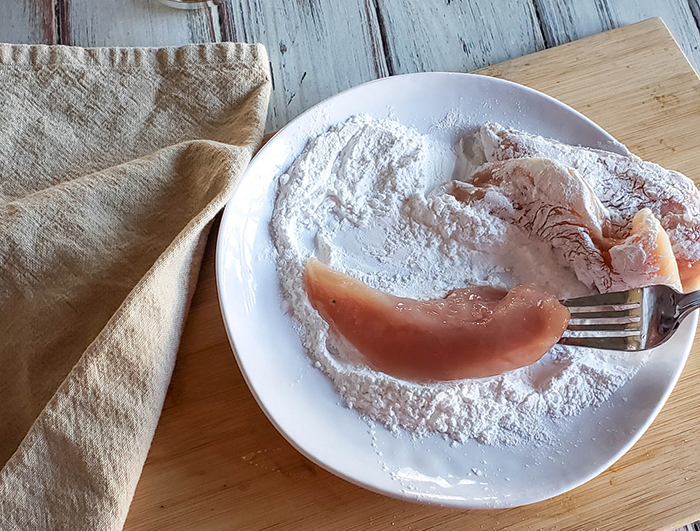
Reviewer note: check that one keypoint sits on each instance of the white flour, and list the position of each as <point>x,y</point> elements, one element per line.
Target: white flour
<point>363,198</point>
<point>624,183</point>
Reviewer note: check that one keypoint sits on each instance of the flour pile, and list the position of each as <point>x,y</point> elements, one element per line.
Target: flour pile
<point>364,197</point>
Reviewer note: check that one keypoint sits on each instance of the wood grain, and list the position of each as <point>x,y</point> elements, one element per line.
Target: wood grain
<point>27,22</point>
<point>134,23</point>
<point>590,80</point>
<point>339,44</point>
<point>316,47</point>
<point>217,463</point>
<point>567,20</point>
<point>421,36</point>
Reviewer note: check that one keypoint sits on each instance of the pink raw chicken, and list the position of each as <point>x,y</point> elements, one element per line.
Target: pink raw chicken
<point>471,333</point>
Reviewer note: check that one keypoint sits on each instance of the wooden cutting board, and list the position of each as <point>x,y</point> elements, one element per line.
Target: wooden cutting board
<point>217,463</point>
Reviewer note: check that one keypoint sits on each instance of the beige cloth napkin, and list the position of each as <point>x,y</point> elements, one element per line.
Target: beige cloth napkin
<point>113,162</point>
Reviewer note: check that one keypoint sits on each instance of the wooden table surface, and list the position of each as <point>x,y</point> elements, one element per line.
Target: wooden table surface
<point>204,468</point>
<point>320,47</point>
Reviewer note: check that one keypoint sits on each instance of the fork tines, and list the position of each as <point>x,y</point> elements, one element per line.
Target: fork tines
<point>610,320</point>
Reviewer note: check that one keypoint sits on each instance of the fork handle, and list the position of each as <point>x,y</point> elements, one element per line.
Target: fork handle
<point>687,303</point>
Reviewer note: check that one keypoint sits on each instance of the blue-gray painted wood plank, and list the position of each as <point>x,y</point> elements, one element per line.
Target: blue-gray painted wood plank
<point>27,21</point>
<point>133,23</point>
<point>317,48</point>
<point>456,36</point>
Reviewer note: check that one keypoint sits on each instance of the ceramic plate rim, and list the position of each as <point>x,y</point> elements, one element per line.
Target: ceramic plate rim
<point>229,320</point>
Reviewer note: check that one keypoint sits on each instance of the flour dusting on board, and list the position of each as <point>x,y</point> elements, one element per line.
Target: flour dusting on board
<point>364,197</point>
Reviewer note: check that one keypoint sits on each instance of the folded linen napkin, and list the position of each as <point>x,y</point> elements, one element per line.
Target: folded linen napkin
<point>113,162</point>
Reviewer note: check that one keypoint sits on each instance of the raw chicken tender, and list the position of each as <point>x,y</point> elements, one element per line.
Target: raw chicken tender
<point>553,203</point>
<point>646,258</point>
<point>471,333</point>
<point>624,184</point>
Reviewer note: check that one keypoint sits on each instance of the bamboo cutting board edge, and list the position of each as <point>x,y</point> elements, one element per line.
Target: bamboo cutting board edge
<point>217,463</point>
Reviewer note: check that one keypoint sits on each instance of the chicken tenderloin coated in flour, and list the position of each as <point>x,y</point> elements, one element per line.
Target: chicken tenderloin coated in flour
<point>625,184</point>
<point>555,204</point>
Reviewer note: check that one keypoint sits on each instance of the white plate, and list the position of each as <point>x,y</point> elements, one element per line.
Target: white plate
<point>300,401</point>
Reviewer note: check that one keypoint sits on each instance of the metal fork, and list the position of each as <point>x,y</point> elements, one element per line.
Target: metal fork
<point>637,319</point>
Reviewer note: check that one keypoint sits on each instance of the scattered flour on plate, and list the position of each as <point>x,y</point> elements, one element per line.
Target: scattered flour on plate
<point>364,197</point>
